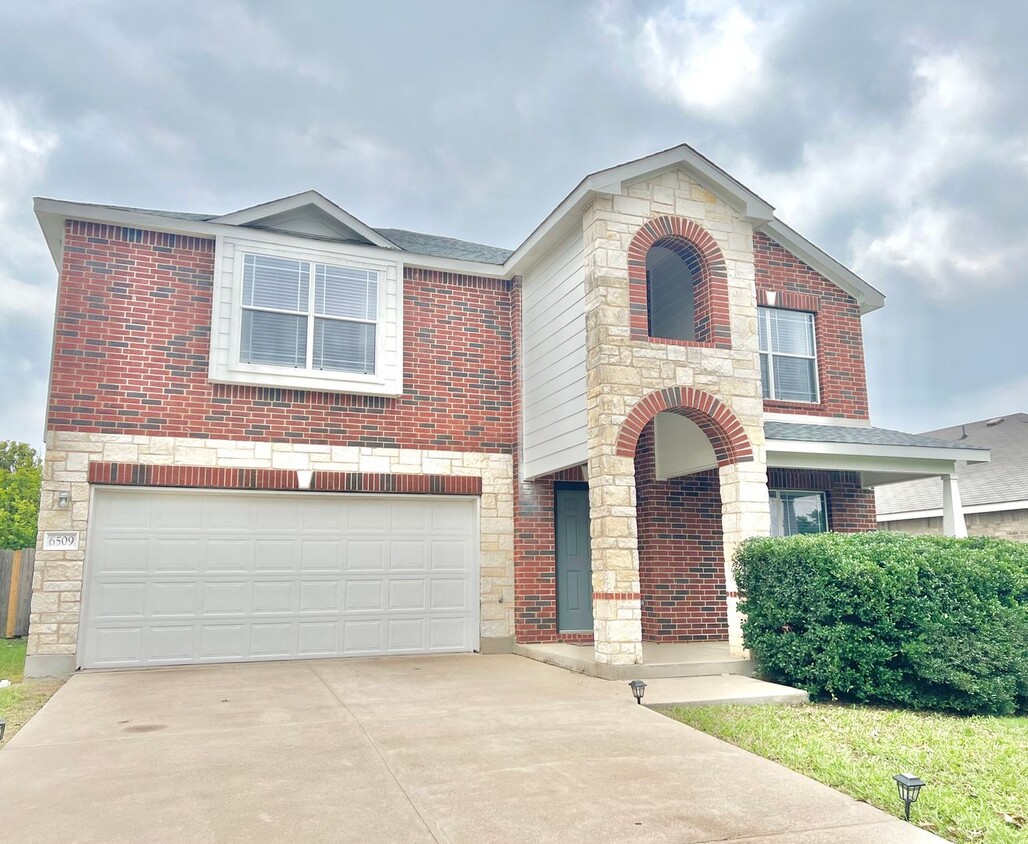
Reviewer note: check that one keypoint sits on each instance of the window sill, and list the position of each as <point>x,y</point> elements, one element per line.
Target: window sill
<point>365,385</point>
<point>691,344</point>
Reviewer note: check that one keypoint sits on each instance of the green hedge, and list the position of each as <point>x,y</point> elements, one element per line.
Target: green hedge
<point>916,621</point>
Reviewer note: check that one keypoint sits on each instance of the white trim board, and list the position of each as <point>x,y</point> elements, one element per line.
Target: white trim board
<point>1001,507</point>
<point>899,452</point>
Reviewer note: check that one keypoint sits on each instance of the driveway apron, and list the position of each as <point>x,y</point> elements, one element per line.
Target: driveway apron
<point>467,748</point>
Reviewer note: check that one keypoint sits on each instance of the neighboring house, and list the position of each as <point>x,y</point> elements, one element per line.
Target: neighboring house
<point>994,494</point>
<point>282,433</point>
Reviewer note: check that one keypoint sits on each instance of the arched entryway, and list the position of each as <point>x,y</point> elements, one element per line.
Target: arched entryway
<point>668,435</point>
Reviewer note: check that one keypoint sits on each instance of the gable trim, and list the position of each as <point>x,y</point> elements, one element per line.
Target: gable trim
<point>255,213</point>
<point>867,297</point>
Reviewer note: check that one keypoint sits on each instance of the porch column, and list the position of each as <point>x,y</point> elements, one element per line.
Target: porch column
<point>952,508</point>
<point>617,605</point>
<point>745,512</point>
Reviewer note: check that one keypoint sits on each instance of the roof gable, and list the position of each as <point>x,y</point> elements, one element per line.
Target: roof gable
<point>308,214</point>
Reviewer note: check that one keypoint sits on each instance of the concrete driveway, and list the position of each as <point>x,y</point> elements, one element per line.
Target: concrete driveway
<point>457,749</point>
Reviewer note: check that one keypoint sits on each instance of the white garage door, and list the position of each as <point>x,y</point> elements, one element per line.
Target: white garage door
<point>177,577</point>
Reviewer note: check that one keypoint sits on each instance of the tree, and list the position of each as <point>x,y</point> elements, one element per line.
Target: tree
<point>20,475</point>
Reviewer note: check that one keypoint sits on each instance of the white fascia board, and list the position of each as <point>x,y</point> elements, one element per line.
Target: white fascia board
<point>52,213</point>
<point>888,452</point>
<point>907,467</point>
<point>1000,507</point>
<point>612,180</point>
<point>802,419</point>
<point>869,298</point>
<point>256,213</point>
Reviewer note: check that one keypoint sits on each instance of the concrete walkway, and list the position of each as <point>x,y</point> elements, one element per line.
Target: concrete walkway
<point>456,749</point>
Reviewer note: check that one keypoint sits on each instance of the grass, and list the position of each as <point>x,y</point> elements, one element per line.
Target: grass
<point>24,698</point>
<point>976,769</point>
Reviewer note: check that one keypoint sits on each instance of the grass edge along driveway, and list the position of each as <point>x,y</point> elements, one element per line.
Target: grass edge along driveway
<point>23,698</point>
<point>976,768</point>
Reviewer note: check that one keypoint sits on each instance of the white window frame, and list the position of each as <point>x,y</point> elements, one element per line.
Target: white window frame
<point>227,318</point>
<point>763,314</point>
<point>311,315</point>
<point>775,500</point>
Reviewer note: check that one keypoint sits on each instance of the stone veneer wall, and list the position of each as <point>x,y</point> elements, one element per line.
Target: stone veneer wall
<point>681,556</point>
<point>622,371</point>
<point>57,583</point>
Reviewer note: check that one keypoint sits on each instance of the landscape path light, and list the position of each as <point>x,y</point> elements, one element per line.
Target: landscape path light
<point>909,787</point>
<point>638,689</point>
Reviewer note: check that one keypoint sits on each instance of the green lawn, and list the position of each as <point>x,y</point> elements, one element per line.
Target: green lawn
<point>976,769</point>
<point>24,699</point>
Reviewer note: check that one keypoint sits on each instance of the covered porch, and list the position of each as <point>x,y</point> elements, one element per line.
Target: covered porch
<point>877,456</point>
<point>659,520</point>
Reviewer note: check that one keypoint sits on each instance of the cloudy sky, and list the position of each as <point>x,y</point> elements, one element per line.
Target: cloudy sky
<point>892,134</point>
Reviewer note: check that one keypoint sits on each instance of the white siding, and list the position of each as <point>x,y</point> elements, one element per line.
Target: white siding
<point>553,357</point>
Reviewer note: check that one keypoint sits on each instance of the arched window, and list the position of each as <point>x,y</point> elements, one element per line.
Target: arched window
<point>673,268</point>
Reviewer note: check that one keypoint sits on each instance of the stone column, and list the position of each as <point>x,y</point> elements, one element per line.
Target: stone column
<point>745,512</point>
<point>617,602</point>
<point>952,508</point>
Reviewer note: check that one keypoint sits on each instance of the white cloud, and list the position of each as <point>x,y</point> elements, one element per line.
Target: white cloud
<point>708,57</point>
<point>25,150</point>
<point>894,167</point>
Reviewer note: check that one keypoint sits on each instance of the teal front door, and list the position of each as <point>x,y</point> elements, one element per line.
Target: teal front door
<point>574,569</point>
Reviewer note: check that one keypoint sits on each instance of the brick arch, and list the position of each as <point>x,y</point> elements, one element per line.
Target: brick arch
<point>722,427</point>
<point>704,258</point>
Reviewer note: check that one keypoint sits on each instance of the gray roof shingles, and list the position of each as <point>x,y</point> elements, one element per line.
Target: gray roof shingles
<point>445,247</point>
<point>413,242</point>
<point>1004,479</point>
<point>854,435</point>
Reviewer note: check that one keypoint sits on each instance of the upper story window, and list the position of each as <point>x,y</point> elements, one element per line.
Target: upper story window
<point>307,315</point>
<point>788,355</point>
<point>672,270</point>
<point>794,512</point>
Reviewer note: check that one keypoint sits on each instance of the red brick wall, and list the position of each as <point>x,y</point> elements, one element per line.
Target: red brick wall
<point>535,560</point>
<point>681,557</point>
<point>850,508</point>
<point>840,345</point>
<point>133,340</point>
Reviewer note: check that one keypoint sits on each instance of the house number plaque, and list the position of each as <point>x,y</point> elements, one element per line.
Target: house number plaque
<point>61,540</point>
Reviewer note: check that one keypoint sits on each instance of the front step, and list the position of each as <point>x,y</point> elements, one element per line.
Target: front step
<point>580,660</point>
<point>710,691</point>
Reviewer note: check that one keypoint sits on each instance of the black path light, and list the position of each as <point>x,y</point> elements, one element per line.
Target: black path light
<point>3,728</point>
<point>638,689</point>
<point>909,787</point>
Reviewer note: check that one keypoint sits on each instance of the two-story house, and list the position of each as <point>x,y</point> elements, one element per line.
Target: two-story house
<point>280,433</point>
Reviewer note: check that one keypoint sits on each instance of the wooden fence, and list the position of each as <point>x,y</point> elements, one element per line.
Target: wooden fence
<point>15,591</point>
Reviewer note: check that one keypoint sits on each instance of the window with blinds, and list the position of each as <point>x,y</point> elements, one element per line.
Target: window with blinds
<point>788,355</point>
<point>308,316</point>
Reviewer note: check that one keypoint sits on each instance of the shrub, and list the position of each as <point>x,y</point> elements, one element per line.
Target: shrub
<point>917,621</point>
